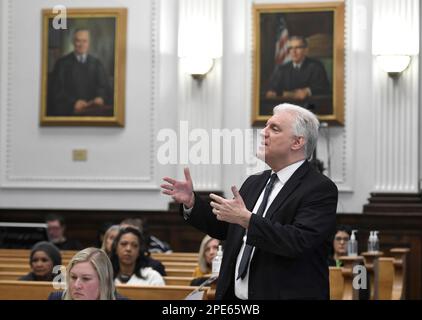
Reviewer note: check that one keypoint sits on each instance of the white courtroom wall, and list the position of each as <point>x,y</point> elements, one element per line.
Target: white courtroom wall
<point>122,171</point>
<point>36,167</point>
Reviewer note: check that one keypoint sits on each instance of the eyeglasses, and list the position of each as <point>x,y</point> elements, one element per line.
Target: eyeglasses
<point>345,239</point>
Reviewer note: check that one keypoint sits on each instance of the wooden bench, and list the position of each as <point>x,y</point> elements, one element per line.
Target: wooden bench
<point>180,265</point>
<point>173,272</point>
<point>31,290</point>
<point>385,278</point>
<point>400,266</point>
<point>22,267</point>
<point>176,259</point>
<point>20,255</point>
<point>371,261</point>
<point>11,275</point>
<point>336,283</point>
<point>175,281</point>
<point>349,293</point>
<point>174,256</point>
<point>24,253</point>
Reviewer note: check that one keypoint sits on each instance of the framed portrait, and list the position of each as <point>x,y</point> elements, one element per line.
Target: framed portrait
<point>299,59</point>
<point>83,68</point>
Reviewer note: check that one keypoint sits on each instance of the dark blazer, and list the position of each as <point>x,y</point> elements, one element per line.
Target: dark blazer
<point>71,81</point>
<point>292,241</point>
<point>311,74</point>
<point>58,295</point>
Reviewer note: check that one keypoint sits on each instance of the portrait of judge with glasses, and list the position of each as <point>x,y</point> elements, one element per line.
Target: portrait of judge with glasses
<point>301,77</point>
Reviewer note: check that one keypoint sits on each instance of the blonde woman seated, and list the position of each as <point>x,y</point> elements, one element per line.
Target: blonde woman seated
<point>207,252</point>
<point>129,260</point>
<point>109,237</point>
<point>89,276</point>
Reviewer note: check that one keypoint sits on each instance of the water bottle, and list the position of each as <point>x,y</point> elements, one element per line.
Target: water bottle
<point>352,245</point>
<point>216,262</point>
<point>376,243</point>
<point>371,241</point>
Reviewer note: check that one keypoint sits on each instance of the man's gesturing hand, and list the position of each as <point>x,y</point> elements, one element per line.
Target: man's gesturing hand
<point>231,210</point>
<point>180,191</point>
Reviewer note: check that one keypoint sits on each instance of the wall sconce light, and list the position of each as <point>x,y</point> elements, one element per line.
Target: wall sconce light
<point>198,67</point>
<point>200,36</point>
<point>393,64</point>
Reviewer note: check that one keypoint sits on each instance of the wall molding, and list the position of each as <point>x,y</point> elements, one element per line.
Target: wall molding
<point>9,180</point>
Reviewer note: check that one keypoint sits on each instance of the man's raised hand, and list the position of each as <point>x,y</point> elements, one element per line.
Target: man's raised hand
<point>180,191</point>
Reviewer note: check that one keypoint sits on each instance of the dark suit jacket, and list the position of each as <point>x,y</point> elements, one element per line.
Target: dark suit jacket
<point>58,295</point>
<point>311,74</point>
<point>292,241</point>
<point>71,81</point>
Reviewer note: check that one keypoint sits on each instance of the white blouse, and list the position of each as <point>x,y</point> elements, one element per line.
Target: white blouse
<point>151,278</point>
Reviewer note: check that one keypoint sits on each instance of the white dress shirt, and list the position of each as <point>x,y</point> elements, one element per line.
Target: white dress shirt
<point>241,285</point>
<point>296,65</point>
<point>151,278</point>
<point>81,57</point>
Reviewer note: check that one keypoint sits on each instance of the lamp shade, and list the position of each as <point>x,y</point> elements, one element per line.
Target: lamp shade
<point>393,64</point>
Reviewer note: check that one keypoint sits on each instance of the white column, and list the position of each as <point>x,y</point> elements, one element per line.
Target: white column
<point>396,101</point>
<point>200,102</point>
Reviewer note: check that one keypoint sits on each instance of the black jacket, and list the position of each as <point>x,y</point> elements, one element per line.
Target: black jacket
<point>292,241</point>
<point>58,295</point>
<point>311,74</point>
<point>71,81</point>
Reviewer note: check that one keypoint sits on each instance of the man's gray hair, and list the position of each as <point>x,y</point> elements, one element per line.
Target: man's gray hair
<point>305,125</point>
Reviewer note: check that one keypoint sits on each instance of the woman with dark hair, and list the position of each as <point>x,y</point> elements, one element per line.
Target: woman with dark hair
<point>339,248</point>
<point>129,260</point>
<point>43,258</point>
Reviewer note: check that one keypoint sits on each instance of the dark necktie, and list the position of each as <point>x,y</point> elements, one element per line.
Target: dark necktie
<point>243,266</point>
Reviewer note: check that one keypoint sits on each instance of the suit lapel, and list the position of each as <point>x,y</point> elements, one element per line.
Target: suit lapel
<point>287,189</point>
<point>251,199</point>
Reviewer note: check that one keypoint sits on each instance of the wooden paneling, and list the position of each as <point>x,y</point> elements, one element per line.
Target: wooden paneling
<point>168,226</point>
<point>396,230</point>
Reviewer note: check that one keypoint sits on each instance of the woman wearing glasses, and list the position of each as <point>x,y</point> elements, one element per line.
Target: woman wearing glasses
<point>340,240</point>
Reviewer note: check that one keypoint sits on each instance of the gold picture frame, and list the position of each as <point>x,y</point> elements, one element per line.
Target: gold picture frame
<point>276,28</point>
<point>83,68</point>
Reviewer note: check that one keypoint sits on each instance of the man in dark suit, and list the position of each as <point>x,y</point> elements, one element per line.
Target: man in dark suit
<point>299,78</point>
<point>56,233</point>
<point>279,225</point>
<point>79,83</point>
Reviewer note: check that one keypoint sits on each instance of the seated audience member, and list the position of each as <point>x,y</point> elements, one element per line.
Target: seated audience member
<point>89,276</point>
<point>339,248</point>
<point>341,238</point>
<point>207,252</point>
<point>154,244</point>
<point>138,224</point>
<point>109,237</point>
<point>101,233</point>
<point>129,260</point>
<point>42,259</point>
<point>56,229</point>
